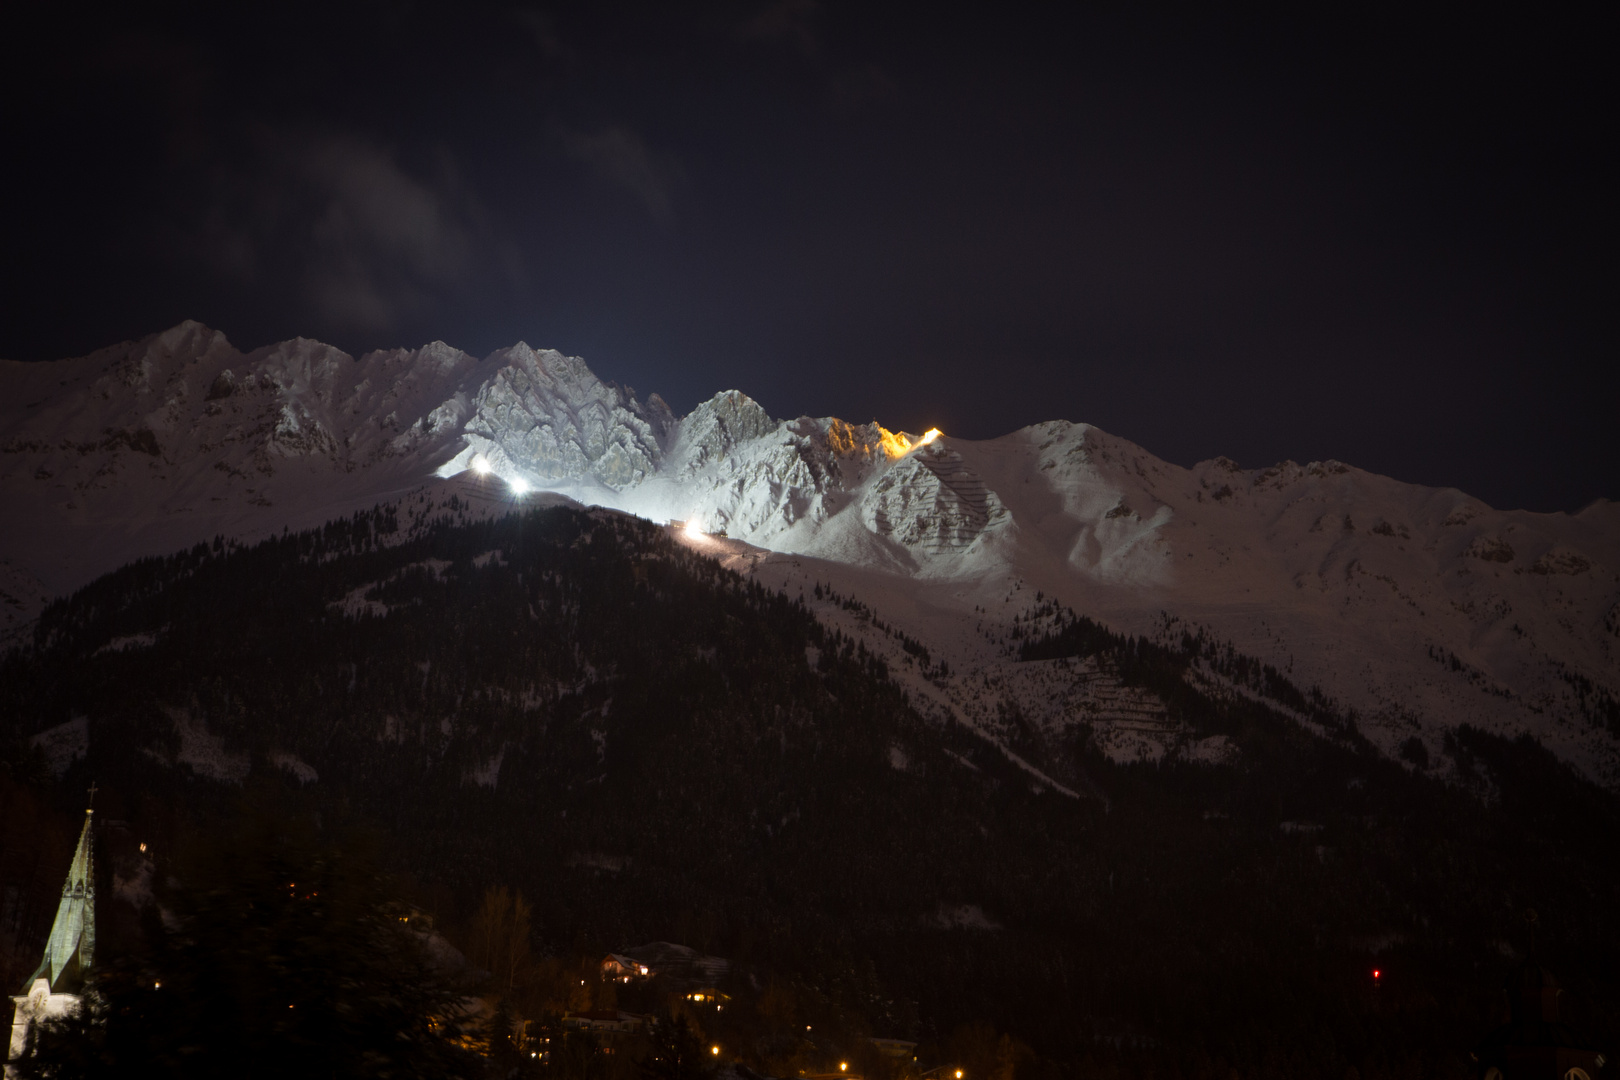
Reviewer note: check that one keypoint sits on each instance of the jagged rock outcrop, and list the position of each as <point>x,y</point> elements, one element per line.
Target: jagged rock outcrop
<point>549,418</point>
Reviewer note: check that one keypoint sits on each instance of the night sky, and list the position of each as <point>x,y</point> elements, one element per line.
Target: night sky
<point>1353,236</point>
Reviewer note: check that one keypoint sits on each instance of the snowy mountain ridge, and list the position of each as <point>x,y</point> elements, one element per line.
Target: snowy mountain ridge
<point>1418,608</point>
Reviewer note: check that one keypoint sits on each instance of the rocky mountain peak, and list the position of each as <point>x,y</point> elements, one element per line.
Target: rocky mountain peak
<point>1416,607</point>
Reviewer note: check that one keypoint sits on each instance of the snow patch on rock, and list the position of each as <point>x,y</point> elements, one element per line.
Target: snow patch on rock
<point>64,744</point>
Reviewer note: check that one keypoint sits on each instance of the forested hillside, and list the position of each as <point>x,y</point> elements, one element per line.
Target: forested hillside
<point>649,747</point>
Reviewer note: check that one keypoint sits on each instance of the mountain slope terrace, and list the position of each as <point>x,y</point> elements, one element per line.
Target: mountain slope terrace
<point>1418,608</point>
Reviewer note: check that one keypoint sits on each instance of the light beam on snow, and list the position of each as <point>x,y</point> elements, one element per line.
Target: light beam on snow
<point>897,444</point>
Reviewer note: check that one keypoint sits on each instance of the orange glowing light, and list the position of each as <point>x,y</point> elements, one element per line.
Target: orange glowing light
<point>714,1050</point>
<point>897,444</point>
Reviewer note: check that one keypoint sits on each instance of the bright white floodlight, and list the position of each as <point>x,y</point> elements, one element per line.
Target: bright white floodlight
<point>694,527</point>
<point>480,465</point>
<point>518,485</point>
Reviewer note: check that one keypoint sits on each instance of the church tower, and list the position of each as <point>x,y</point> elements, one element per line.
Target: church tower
<point>54,987</point>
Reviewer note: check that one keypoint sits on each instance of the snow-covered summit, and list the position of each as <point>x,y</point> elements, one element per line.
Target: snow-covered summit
<point>710,432</point>
<point>1419,608</point>
<point>544,416</point>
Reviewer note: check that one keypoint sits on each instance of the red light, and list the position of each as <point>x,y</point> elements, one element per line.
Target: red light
<point>1376,973</point>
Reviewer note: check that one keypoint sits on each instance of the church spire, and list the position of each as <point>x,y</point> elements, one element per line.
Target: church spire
<point>72,944</point>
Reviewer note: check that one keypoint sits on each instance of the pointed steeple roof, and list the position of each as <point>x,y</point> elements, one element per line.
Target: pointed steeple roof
<point>72,944</point>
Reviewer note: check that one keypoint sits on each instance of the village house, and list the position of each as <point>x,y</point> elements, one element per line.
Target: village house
<point>684,967</point>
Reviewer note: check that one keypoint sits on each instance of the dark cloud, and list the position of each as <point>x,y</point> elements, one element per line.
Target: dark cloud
<point>862,87</point>
<point>336,216</point>
<point>1308,233</point>
<point>542,29</point>
<point>379,238</point>
<point>790,21</point>
<point>622,158</point>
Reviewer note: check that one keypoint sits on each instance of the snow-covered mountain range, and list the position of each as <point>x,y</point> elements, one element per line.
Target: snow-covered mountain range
<point>1418,608</point>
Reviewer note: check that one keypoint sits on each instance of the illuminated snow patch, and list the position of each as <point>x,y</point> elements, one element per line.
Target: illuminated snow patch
<point>205,752</point>
<point>613,864</point>
<point>64,744</point>
<point>489,773</point>
<point>962,917</point>
<point>305,772</point>
<point>131,641</point>
<point>1214,750</point>
<point>358,603</point>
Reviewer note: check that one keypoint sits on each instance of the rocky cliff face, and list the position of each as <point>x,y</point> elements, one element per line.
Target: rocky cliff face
<point>546,416</point>
<point>1418,608</point>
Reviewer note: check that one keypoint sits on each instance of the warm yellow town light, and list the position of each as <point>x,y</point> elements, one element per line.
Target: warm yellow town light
<point>843,1066</point>
<point>714,1050</point>
<point>958,1074</point>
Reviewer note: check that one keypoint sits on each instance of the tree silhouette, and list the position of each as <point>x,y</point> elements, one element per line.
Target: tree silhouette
<point>500,938</point>
<point>676,1052</point>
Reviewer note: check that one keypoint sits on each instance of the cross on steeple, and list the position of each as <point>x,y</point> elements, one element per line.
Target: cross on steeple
<point>92,798</point>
